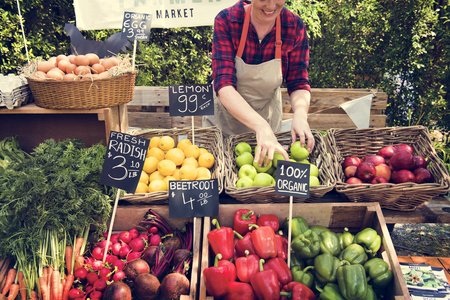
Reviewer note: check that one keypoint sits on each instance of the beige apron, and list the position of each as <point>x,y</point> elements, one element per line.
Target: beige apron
<point>259,85</point>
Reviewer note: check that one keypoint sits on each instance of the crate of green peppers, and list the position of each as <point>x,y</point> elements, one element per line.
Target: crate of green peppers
<point>338,251</point>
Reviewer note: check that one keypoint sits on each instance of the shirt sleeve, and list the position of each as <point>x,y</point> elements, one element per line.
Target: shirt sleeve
<point>223,53</point>
<point>298,60</point>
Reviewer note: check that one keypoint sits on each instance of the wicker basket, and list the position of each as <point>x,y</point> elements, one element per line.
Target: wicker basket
<point>84,94</point>
<point>362,142</point>
<point>255,194</point>
<point>209,138</point>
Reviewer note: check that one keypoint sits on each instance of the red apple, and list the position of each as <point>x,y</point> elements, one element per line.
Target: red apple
<point>403,159</point>
<point>379,179</point>
<point>383,170</point>
<point>400,147</point>
<point>375,159</point>
<point>401,176</point>
<point>419,162</point>
<point>350,161</point>
<point>387,152</point>
<point>366,171</point>
<point>353,180</point>
<point>350,171</point>
<point>423,175</point>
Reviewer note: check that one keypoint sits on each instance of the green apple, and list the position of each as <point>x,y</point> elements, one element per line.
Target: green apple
<point>298,152</point>
<point>247,171</point>
<point>313,181</point>
<point>313,170</point>
<point>274,174</point>
<point>244,182</point>
<point>291,159</point>
<point>270,171</point>
<point>304,161</point>
<point>262,169</point>
<point>276,157</point>
<point>241,148</point>
<point>245,158</point>
<point>263,179</point>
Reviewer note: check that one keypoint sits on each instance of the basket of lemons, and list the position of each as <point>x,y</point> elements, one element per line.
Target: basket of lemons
<point>174,154</point>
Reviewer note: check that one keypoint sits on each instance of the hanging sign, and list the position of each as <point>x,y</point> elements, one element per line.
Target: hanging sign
<point>136,26</point>
<point>292,179</point>
<point>193,198</point>
<point>191,100</point>
<point>125,157</point>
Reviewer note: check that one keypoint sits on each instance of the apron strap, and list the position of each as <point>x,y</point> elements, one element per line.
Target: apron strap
<point>278,42</point>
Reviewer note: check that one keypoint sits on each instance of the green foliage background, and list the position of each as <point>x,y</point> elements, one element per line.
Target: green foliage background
<point>401,47</point>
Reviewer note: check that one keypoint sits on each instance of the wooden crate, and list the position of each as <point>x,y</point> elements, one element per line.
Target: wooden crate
<point>336,216</point>
<point>128,217</point>
<point>324,110</point>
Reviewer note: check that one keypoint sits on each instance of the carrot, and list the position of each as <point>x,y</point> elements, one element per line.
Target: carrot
<point>33,295</point>
<point>61,289</point>
<point>69,258</point>
<point>9,280</point>
<point>56,280</point>
<point>13,291</point>
<point>78,244</point>
<point>68,286</point>
<point>44,287</point>
<point>23,288</point>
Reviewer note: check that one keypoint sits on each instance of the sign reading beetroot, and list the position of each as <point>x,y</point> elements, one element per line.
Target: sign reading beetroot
<point>292,179</point>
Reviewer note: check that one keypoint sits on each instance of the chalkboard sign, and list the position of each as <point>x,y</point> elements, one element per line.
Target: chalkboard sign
<point>196,198</point>
<point>136,26</point>
<point>191,100</point>
<point>292,179</point>
<point>125,157</point>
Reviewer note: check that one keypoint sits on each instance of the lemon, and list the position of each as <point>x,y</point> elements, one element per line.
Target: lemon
<point>155,176</point>
<point>157,186</point>
<point>183,144</point>
<point>203,172</point>
<point>190,161</point>
<point>202,151</point>
<point>176,155</point>
<point>150,164</point>
<point>144,177</point>
<point>166,167</point>
<point>154,142</point>
<point>192,151</point>
<point>166,143</point>
<point>188,172</point>
<point>167,179</point>
<point>206,160</point>
<point>141,188</point>
<point>156,152</point>
<point>176,174</point>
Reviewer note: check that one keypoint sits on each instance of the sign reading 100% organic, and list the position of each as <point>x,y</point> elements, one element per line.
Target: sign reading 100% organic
<point>292,179</point>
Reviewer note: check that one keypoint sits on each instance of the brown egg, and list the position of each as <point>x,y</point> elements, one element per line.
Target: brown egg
<point>71,68</point>
<point>63,64</point>
<point>39,75</point>
<point>45,66</point>
<point>71,58</point>
<point>107,63</point>
<point>53,60</point>
<point>81,60</point>
<point>87,77</point>
<point>57,70</point>
<point>69,77</point>
<point>97,68</point>
<point>93,58</point>
<point>103,75</point>
<point>61,57</point>
<point>115,61</point>
<point>53,74</point>
<point>82,70</point>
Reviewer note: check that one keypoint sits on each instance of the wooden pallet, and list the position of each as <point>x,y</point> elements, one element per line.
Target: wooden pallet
<point>150,109</point>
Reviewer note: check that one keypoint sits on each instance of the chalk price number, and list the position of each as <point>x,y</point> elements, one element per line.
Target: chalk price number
<point>293,172</point>
<point>191,100</point>
<point>136,26</point>
<point>136,166</point>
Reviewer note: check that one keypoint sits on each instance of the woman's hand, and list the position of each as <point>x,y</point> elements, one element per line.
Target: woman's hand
<point>267,143</point>
<point>300,128</point>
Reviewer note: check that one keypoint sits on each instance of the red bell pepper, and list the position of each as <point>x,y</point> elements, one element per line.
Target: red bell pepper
<point>264,242</point>
<point>269,220</point>
<point>297,291</point>
<point>216,279</point>
<point>244,243</point>
<point>221,240</point>
<point>235,256</point>
<point>239,290</point>
<point>232,276</point>
<point>282,246</point>
<point>281,268</point>
<point>243,218</point>
<point>247,266</point>
<point>265,283</point>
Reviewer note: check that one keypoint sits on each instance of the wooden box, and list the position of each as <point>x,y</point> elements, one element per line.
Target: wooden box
<point>128,217</point>
<point>336,216</point>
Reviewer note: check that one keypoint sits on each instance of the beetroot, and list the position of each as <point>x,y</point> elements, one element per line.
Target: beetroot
<point>172,242</point>
<point>147,286</point>
<point>149,255</point>
<point>174,285</point>
<point>152,219</point>
<point>117,291</point>
<point>136,267</point>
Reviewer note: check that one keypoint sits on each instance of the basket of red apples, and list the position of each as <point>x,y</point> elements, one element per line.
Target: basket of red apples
<point>395,166</point>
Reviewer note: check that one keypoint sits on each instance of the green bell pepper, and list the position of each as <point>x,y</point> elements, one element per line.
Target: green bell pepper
<point>371,295</point>
<point>354,254</point>
<point>352,281</point>
<point>318,229</point>
<point>329,243</point>
<point>325,267</point>
<point>299,226</point>
<point>295,261</point>
<point>303,276</point>
<point>330,292</point>
<point>369,239</point>
<point>345,238</point>
<point>378,271</point>
<point>306,245</point>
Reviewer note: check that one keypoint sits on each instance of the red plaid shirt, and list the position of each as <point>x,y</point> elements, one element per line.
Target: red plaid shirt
<point>228,26</point>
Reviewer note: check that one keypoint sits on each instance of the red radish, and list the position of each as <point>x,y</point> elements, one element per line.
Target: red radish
<point>105,273</point>
<point>80,273</point>
<point>134,255</point>
<point>98,253</point>
<point>91,277</point>
<point>114,238</point>
<point>88,289</point>
<point>119,264</point>
<point>100,284</point>
<point>137,244</point>
<point>155,240</point>
<point>75,293</point>
<point>136,267</point>
<point>96,294</point>
<point>111,258</point>
<point>89,260</point>
<point>97,265</point>
<point>116,248</point>
<point>102,244</point>
<point>119,276</point>
<point>153,229</point>
<point>125,237</point>
<point>144,237</point>
<point>134,233</point>
<point>117,291</point>
<point>124,250</point>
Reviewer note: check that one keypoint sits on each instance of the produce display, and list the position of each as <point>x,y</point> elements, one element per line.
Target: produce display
<point>250,174</point>
<point>250,260</point>
<point>392,164</point>
<point>166,161</point>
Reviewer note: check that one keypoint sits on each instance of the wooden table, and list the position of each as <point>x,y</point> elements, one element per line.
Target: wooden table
<point>441,262</point>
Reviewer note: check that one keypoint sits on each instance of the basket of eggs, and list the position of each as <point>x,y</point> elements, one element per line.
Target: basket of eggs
<point>81,81</point>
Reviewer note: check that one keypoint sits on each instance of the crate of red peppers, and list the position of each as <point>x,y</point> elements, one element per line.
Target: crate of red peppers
<point>337,251</point>
<point>150,256</point>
